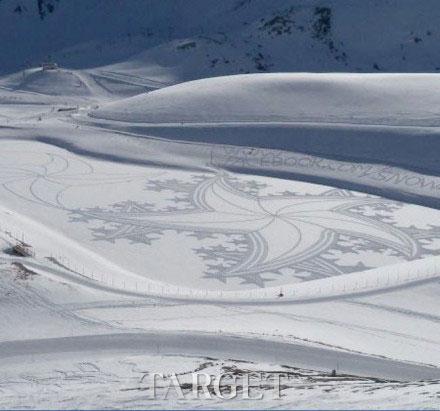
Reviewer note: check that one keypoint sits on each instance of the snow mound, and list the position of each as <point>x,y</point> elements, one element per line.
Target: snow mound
<point>54,83</point>
<point>285,97</point>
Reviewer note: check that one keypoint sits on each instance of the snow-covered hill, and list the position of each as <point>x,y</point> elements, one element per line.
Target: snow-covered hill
<point>224,186</point>
<point>378,120</point>
<point>370,99</point>
<point>180,40</point>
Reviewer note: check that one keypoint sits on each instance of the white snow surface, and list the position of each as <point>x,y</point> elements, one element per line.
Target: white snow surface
<point>371,99</point>
<point>208,217</point>
<point>196,199</point>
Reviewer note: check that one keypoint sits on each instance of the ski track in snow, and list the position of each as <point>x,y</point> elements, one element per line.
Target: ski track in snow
<point>224,347</point>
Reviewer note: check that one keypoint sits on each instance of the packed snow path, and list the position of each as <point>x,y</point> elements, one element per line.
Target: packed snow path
<point>225,347</point>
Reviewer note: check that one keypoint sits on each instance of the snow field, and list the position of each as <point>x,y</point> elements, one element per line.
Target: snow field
<point>78,261</point>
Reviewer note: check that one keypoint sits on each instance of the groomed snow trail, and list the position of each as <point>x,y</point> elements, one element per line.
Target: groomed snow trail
<point>224,346</point>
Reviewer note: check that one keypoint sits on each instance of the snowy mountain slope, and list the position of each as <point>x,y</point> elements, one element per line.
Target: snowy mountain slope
<point>281,218</point>
<point>54,83</point>
<point>183,40</point>
<point>77,381</point>
<point>76,378</point>
<point>373,120</point>
<point>370,99</point>
<point>92,200</point>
